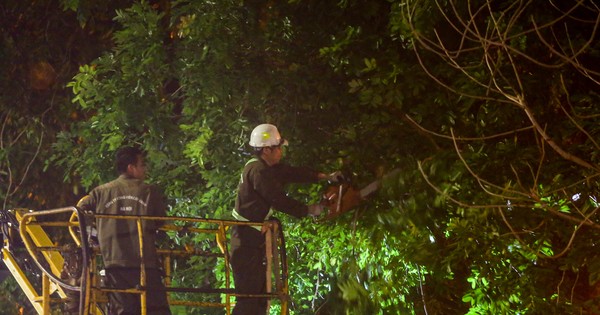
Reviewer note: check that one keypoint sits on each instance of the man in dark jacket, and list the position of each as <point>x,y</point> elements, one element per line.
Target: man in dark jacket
<point>118,238</point>
<point>262,188</point>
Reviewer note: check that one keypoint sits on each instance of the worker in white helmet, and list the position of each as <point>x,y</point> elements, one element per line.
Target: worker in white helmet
<point>261,190</point>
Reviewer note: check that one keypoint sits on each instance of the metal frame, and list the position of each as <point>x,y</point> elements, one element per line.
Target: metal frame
<point>37,241</point>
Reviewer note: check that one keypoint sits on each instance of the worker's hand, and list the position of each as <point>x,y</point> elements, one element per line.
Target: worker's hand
<point>315,210</point>
<point>335,177</point>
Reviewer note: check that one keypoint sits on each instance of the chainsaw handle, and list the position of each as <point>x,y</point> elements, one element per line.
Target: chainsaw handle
<point>340,199</point>
<point>345,177</point>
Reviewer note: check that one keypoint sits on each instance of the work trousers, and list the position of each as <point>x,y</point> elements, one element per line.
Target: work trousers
<point>249,272</point>
<point>129,303</point>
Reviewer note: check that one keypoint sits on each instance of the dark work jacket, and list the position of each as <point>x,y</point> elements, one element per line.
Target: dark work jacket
<point>262,188</point>
<point>118,238</point>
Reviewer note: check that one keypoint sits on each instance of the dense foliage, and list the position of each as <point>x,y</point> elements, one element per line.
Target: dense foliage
<point>485,108</point>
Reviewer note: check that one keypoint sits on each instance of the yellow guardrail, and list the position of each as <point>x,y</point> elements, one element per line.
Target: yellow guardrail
<point>46,253</point>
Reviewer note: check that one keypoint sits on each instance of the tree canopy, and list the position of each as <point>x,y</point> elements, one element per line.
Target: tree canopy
<point>482,111</point>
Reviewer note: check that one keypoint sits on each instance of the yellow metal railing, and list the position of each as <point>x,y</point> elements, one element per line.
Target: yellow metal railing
<point>37,242</point>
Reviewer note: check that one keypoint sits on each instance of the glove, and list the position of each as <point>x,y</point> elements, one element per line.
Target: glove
<point>315,210</point>
<point>336,177</point>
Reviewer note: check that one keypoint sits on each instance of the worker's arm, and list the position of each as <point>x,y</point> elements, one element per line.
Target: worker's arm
<point>294,174</point>
<point>87,203</point>
<point>268,184</point>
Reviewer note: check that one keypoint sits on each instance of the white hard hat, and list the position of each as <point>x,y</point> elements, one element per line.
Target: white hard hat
<point>266,135</point>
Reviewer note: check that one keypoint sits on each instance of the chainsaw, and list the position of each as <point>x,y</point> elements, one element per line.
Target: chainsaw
<point>341,198</point>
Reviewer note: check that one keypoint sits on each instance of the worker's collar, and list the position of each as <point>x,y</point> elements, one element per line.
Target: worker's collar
<point>126,176</point>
